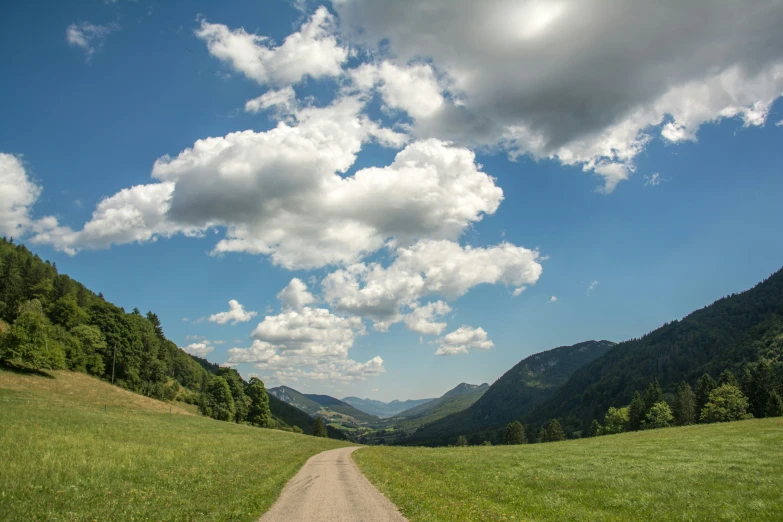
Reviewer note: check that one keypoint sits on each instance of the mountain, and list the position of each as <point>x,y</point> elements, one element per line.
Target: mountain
<point>516,393</point>
<point>384,409</point>
<point>733,333</point>
<point>334,410</point>
<point>453,401</point>
<point>293,416</point>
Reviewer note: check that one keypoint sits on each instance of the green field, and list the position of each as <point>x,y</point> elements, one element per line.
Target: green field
<point>728,471</point>
<point>75,448</point>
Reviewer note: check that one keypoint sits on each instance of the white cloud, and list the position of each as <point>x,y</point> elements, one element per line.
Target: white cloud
<point>200,349</point>
<point>283,99</point>
<point>18,193</point>
<point>779,124</point>
<point>312,340</point>
<point>591,287</point>
<point>295,295</point>
<point>463,339</point>
<point>88,36</point>
<point>652,181</point>
<point>235,314</point>
<point>185,319</point>
<point>518,291</point>
<point>422,318</point>
<point>553,299</point>
<point>518,77</point>
<point>312,51</point>
<point>412,88</point>
<point>427,267</point>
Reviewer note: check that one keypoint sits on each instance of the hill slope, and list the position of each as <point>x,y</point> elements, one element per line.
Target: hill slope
<point>728,334</point>
<point>729,471</point>
<point>334,410</point>
<point>455,400</point>
<point>384,409</point>
<point>516,393</point>
<point>96,452</point>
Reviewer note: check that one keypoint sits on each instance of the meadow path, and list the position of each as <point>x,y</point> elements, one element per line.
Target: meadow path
<point>330,486</point>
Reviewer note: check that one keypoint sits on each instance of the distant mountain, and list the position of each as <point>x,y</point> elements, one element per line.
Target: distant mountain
<point>732,333</point>
<point>384,409</point>
<point>453,401</point>
<point>515,394</point>
<point>334,410</point>
<point>293,416</point>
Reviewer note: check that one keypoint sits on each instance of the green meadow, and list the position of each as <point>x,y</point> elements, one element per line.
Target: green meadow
<point>75,448</point>
<point>731,471</point>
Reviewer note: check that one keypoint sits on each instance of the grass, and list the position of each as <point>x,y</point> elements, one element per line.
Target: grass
<point>711,472</point>
<point>75,448</point>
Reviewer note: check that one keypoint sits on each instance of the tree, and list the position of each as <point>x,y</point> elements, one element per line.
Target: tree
<point>595,429</point>
<point>704,387</point>
<point>636,412</point>
<point>153,318</point>
<point>684,405</point>
<point>67,313</point>
<point>552,432</point>
<point>220,402</point>
<point>296,429</point>
<point>26,342</point>
<point>774,405</point>
<point>319,428</point>
<point>726,377</point>
<point>461,441</point>
<point>760,387</point>
<point>515,434</point>
<point>726,403</point>
<point>258,412</point>
<point>616,420</point>
<point>659,416</point>
<point>237,387</point>
<point>652,396</point>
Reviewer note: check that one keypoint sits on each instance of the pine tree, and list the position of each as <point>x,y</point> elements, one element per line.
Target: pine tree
<point>515,434</point>
<point>760,388</point>
<point>774,405</point>
<point>595,429</point>
<point>636,412</point>
<point>552,432</point>
<point>652,396</point>
<point>704,387</point>
<point>461,441</point>
<point>319,428</point>
<point>726,377</point>
<point>258,411</point>
<point>685,405</point>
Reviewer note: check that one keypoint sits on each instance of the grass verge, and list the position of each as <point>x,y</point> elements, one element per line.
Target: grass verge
<point>75,448</point>
<point>728,471</point>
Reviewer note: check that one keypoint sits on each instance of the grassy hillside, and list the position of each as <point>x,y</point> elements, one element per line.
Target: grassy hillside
<point>76,448</point>
<point>711,472</point>
<point>516,393</point>
<point>732,333</point>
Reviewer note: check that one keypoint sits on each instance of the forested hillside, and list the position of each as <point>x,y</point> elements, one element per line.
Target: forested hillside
<point>384,409</point>
<point>735,333</point>
<point>49,321</point>
<point>515,394</point>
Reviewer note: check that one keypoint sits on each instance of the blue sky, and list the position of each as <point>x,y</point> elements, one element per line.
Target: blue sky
<point>620,186</point>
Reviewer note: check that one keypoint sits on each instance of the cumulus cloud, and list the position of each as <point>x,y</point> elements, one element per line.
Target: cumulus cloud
<point>463,339</point>
<point>553,299</point>
<point>439,267</point>
<point>18,193</point>
<point>413,89</point>
<point>312,51</point>
<point>295,295</point>
<point>283,99</point>
<point>422,318</point>
<point>312,340</point>
<point>88,36</point>
<point>587,83</point>
<point>200,349</point>
<point>236,314</point>
<point>591,287</point>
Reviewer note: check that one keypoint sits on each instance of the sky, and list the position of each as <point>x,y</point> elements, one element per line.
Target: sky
<point>386,199</point>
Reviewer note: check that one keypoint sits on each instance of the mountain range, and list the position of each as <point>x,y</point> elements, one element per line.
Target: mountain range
<point>333,410</point>
<point>384,409</point>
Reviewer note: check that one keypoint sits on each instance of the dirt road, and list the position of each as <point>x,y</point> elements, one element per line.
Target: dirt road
<point>330,487</point>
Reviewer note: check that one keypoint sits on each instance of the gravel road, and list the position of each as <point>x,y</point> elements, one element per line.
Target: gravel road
<point>330,487</point>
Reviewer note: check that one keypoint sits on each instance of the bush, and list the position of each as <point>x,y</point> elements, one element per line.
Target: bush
<point>726,403</point>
